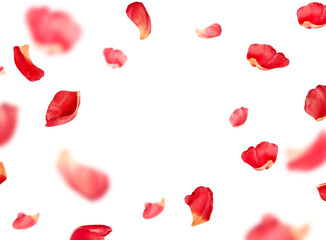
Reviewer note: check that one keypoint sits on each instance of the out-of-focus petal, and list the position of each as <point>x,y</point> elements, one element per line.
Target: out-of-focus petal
<point>24,221</point>
<point>264,57</point>
<point>211,31</point>
<point>89,182</point>
<point>201,205</point>
<point>91,232</point>
<point>114,58</point>
<point>3,174</point>
<point>25,65</point>
<point>153,209</point>
<point>63,108</point>
<point>322,191</point>
<point>8,122</point>
<point>55,31</point>
<point>239,117</point>
<point>138,14</point>
<point>312,15</point>
<point>315,104</point>
<point>2,71</point>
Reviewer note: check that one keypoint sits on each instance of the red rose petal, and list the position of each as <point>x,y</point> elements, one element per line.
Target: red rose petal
<point>315,104</point>
<point>87,181</point>
<point>211,31</point>
<point>264,57</point>
<point>8,122</point>
<point>322,191</point>
<point>138,14</point>
<point>114,58</point>
<point>201,205</point>
<point>239,117</point>
<point>2,71</point>
<point>25,65</point>
<point>3,174</point>
<point>91,232</point>
<point>25,221</point>
<point>56,30</point>
<point>263,156</point>
<point>153,209</point>
<point>312,15</point>
<point>63,108</point>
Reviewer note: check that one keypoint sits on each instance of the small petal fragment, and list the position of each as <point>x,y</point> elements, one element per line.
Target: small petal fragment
<point>315,104</point>
<point>3,174</point>
<point>137,13</point>
<point>201,205</point>
<point>25,65</point>
<point>312,15</point>
<point>25,221</point>
<point>211,31</point>
<point>239,117</point>
<point>63,108</point>
<point>153,209</point>
<point>55,31</point>
<point>322,191</point>
<point>263,156</point>
<point>2,71</point>
<point>89,182</point>
<point>114,58</point>
<point>264,57</point>
<point>91,232</point>
<point>8,122</point>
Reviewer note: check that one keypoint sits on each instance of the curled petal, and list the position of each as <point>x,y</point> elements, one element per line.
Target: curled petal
<point>63,108</point>
<point>322,191</point>
<point>201,205</point>
<point>25,65</point>
<point>3,174</point>
<point>91,232</point>
<point>8,122</point>
<point>264,57</point>
<point>137,13</point>
<point>114,58</point>
<point>56,31</point>
<point>25,221</point>
<point>239,117</point>
<point>263,156</point>
<point>312,15</point>
<point>87,181</point>
<point>315,104</point>
<point>153,209</point>
<point>211,31</point>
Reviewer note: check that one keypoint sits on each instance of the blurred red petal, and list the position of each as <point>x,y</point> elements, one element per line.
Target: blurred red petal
<point>8,122</point>
<point>25,221</point>
<point>87,181</point>
<point>211,31</point>
<point>322,191</point>
<point>55,30</point>
<point>312,15</point>
<point>263,156</point>
<point>114,58</point>
<point>137,13</point>
<point>2,71</point>
<point>63,108</point>
<point>3,174</point>
<point>239,117</point>
<point>153,209</point>
<point>201,205</point>
<point>91,232</point>
<point>315,104</point>
<point>25,65</point>
<point>264,57</point>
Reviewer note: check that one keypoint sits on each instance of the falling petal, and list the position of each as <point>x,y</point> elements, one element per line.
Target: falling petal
<point>137,13</point>
<point>315,104</point>
<point>322,191</point>
<point>239,117</point>
<point>91,232</point>
<point>8,122</point>
<point>25,221</point>
<point>211,31</point>
<point>3,174</point>
<point>312,15</point>
<point>114,58</point>
<point>153,209</point>
<point>2,71</point>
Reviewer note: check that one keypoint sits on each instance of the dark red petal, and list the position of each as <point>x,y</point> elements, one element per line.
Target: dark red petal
<point>315,104</point>
<point>262,157</point>
<point>322,191</point>
<point>56,30</point>
<point>8,122</point>
<point>312,15</point>
<point>211,31</point>
<point>25,221</point>
<point>91,232</point>
<point>137,13</point>
<point>25,65</point>
<point>153,209</point>
<point>3,174</point>
<point>239,117</point>
<point>87,181</point>
<point>114,58</point>
<point>201,205</point>
<point>63,108</point>
<point>264,57</point>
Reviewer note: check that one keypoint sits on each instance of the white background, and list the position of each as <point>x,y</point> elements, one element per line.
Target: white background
<point>159,125</point>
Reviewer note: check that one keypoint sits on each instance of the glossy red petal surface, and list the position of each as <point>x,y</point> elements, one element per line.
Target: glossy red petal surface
<point>315,104</point>
<point>138,14</point>
<point>91,232</point>
<point>312,15</point>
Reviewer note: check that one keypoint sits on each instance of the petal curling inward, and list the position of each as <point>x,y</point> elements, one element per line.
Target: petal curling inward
<point>114,58</point>
<point>201,205</point>
<point>25,65</point>
<point>315,104</point>
<point>55,31</point>
<point>87,181</point>
<point>312,15</point>
<point>24,221</point>
<point>3,174</point>
<point>211,31</point>
<point>91,232</point>
<point>264,57</point>
<point>239,117</point>
<point>322,191</point>
<point>263,156</point>
<point>8,122</point>
<point>63,108</point>
<point>153,209</point>
<point>137,13</point>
